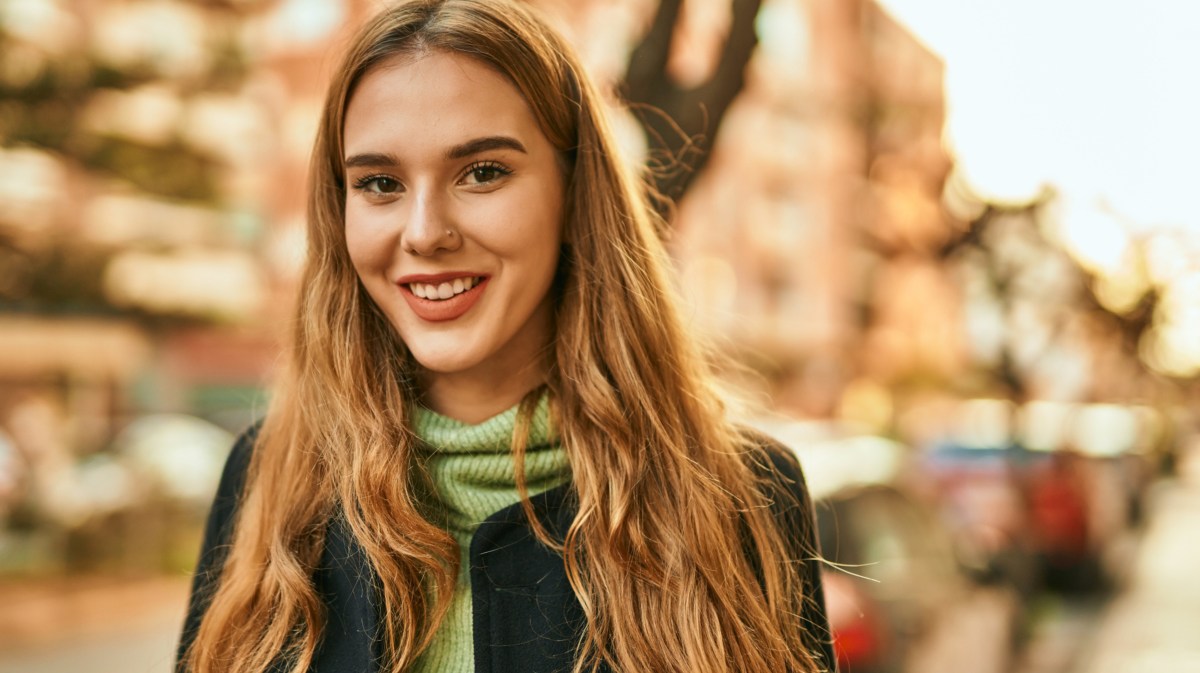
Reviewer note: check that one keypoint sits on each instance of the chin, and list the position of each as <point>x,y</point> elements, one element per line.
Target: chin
<point>437,361</point>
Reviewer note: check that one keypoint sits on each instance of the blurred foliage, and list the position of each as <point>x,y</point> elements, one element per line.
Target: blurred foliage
<point>61,276</point>
<point>44,100</point>
<point>46,111</point>
<point>172,170</point>
<point>1017,273</point>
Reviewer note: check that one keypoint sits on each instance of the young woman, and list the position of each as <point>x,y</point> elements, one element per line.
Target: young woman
<point>495,448</point>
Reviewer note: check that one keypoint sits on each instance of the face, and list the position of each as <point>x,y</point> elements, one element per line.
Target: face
<point>454,207</point>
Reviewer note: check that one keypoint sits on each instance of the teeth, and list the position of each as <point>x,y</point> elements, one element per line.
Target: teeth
<point>443,290</point>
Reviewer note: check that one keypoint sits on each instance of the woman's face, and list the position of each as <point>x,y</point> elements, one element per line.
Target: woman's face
<point>454,209</point>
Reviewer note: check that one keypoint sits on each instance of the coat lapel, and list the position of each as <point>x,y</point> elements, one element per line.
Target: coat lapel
<point>526,616</point>
<point>350,590</point>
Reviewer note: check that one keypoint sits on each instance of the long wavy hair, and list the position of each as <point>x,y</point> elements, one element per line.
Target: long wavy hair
<point>665,490</point>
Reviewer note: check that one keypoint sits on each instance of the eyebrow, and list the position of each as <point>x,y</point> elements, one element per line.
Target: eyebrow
<point>483,145</point>
<point>371,160</point>
<point>460,151</point>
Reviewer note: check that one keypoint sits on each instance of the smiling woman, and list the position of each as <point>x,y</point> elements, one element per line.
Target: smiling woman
<point>495,448</point>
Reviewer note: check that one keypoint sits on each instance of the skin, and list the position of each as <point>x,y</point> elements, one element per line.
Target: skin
<point>440,142</point>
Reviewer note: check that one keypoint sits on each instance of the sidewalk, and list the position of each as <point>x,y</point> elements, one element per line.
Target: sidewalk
<point>1154,625</point>
<point>99,625</point>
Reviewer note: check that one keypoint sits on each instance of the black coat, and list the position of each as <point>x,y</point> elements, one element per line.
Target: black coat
<point>526,616</point>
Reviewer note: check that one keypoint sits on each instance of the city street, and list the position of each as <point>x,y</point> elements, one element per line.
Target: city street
<point>1153,625</point>
<point>1149,626</point>
<point>97,625</point>
<point>943,251</point>
<point>145,650</point>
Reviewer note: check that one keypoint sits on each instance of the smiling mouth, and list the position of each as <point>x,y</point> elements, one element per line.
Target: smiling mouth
<point>444,290</point>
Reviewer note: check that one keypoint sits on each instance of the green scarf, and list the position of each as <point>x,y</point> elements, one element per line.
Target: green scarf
<point>472,470</point>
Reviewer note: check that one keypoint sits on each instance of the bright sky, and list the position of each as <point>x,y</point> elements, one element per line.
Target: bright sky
<point>1100,98</point>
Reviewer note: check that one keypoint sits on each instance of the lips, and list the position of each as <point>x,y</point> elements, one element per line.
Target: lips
<point>424,294</point>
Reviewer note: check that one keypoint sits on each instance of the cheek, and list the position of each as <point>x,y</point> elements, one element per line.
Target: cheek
<point>523,227</point>
<point>551,247</point>
<point>536,242</point>
<point>541,228</point>
<point>552,234</point>
<point>364,244</point>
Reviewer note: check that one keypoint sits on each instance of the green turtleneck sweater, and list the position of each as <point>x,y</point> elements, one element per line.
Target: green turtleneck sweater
<point>472,469</point>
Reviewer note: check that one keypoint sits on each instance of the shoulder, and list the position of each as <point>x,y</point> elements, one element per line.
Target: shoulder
<point>233,482</point>
<point>774,463</point>
<point>782,484</point>
<point>233,477</point>
<point>218,532</point>
<point>219,528</point>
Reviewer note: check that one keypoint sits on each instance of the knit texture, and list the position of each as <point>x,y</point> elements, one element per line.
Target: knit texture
<point>472,469</point>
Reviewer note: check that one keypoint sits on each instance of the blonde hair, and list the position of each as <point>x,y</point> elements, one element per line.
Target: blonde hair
<point>665,489</point>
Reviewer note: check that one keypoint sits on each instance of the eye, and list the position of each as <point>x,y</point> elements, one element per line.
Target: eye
<point>484,172</point>
<point>377,185</point>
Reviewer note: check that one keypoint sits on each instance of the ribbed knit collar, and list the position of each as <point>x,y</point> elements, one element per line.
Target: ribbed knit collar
<point>472,466</point>
<point>494,435</point>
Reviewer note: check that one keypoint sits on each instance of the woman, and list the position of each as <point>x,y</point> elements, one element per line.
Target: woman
<point>495,448</point>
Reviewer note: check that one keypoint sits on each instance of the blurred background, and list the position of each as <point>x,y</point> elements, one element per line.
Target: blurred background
<point>950,245</point>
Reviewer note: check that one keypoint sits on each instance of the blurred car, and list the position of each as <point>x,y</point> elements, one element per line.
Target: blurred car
<point>980,494</point>
<point>897,599</point>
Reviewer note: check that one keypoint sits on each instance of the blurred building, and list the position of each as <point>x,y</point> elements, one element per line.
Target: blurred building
<point>824,191</point>
<point>153,169</point>
<point>135,139</point>
<point>138,269</point>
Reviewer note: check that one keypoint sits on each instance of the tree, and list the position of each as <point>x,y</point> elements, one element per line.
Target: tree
<point>680,122</point>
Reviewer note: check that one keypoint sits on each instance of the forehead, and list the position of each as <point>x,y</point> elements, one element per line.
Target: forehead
<point>433,97</point>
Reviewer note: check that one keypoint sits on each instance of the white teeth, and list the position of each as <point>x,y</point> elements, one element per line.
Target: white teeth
<point>443,290</point>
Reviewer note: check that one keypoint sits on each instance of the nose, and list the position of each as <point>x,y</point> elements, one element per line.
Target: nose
<point>429,228</point>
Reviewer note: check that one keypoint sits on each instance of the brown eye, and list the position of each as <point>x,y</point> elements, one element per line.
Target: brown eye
<point>484,172</point>
<point>378,185</point>
<point>381,185</point>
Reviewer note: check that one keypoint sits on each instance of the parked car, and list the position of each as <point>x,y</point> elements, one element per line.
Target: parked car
<point>897,599</point>
<point>982,502</point>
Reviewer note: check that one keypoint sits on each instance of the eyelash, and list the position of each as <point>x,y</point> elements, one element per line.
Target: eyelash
<point>488,165</point>
<point>365,181</point>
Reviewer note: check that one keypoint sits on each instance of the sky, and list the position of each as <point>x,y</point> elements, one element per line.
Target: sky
<point>1099,98</point>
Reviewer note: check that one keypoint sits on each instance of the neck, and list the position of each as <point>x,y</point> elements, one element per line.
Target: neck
<point>472,398</point>
<point>477,393</point>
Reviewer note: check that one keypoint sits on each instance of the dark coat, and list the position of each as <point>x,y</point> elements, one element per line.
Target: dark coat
<point>526,616</point>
